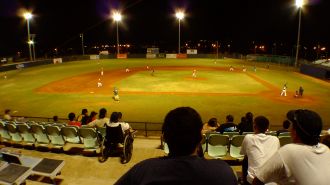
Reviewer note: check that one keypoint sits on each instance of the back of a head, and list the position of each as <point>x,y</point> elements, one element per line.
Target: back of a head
<point>249,117</point>
<point>120,115</point>
<point>102,113</point>
<point>308,125</point>
<point>286,124</point>
<point>212,122</point>
<point>230,118</point>
<point>84,111</point>
<point>262,123</point>
<point>71,116</point>
<point>182,131</point>
<point>55,118</point>
<point>114,117</point>
<point>7,111</point>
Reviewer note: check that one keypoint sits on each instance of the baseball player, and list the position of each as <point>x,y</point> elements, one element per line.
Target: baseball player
<point>283,93</point>
<point>194,74</point>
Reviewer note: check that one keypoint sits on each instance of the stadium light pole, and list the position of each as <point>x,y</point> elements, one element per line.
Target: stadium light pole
<point>28,17</point>
<point>179,15</point>
<point>117,18</point>
<point>299,5</point>
<point>82,43</point>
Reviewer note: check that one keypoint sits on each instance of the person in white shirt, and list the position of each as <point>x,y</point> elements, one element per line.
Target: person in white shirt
<point>305,161</point>
<point>115,121</point>
<point>101,121</point>
<point>258,147</point>
<point>7,115</point>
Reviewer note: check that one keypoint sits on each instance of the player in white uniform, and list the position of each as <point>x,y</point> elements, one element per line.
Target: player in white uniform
<point>283,93</point>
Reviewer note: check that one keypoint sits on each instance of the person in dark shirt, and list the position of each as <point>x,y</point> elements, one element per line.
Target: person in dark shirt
<point>229,126</point>
<point>286,125</point>
<point>247,125</point>
<point>182,132</point>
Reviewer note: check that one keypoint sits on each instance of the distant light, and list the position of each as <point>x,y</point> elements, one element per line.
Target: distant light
<point>116,16</point>
<point>179,15</point>
<point>27,15</point>
<point>31,42</point>
<point>299,3</point>
<point>323,49</point>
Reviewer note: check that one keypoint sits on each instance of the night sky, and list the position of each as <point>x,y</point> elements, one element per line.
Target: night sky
<point>58,23</point>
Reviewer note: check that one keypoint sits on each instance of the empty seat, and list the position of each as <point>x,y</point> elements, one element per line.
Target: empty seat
<point>71,134</point>
<point>13,132</point>
<point>90,138</point>
<point>285,140</point>
<point>235,147</point>
<point>230,134</point>
<point>26,133</point>
<point>284,134</point>
<point>39,132</point>
<point>217,145</point>
<point>55,136</point>
<point>4,132</point>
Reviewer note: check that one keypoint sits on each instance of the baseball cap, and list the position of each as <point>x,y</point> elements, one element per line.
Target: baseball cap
<point>309,122</point>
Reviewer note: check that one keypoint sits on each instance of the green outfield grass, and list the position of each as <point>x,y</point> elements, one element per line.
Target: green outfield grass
<point>18,91</point>
<point>182,81</point>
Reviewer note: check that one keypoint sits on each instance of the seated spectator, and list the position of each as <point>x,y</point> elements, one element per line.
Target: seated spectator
<point>305,161</point>
<point>72,118</point>
<point>7,115</point>
<point>246,126</point>
<point>92,117</point>
<point>286,125</point>
<point>55,119</point>
<point>182,130</point>
<point>114,122</point>
<point>229,126</point>
<point>258,147</point>
<point>83,117</point>
<point>210,126</point>
<point>101,121</point>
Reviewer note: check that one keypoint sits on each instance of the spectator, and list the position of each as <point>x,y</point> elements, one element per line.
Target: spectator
<point>305,161</point>
<point>246,126</point>
<point>72,118</point>
<point>7,115</point>
<point>101,121</point>
<point>258,147</point>
<point>115,122</point>
<point>286,125</point>
<point>210,126</point>
<point>229,126</point>
<point>182,132</point>
<point>83,117</point>
<point>92,117</point>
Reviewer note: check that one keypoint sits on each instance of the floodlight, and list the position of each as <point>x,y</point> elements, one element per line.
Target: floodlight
<point>27,15</point>
<point>31,42</point>
<point>116,16</point>
<point>179,15</point>
<point>299,3</point>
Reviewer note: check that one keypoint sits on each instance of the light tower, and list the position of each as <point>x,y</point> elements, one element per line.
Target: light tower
<point>27,17</point>
<point>299,5</point>
<point>117,18</point>
<point>179,15</point>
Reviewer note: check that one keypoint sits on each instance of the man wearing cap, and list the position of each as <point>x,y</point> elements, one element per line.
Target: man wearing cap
<point>305,161</point>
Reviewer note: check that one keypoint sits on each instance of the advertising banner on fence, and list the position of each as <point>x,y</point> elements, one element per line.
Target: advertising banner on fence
<point>57,60</point>
<point>122,55</point>
<point>181,55</point>
<point>151,55</point>
<point>94,57</point>
<point>170,55</point>
<point>192,51</point>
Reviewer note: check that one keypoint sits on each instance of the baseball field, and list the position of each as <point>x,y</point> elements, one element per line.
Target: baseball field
<point>152,87</point>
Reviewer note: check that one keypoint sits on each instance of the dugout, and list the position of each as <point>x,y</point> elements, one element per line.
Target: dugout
<point>318,71</point>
